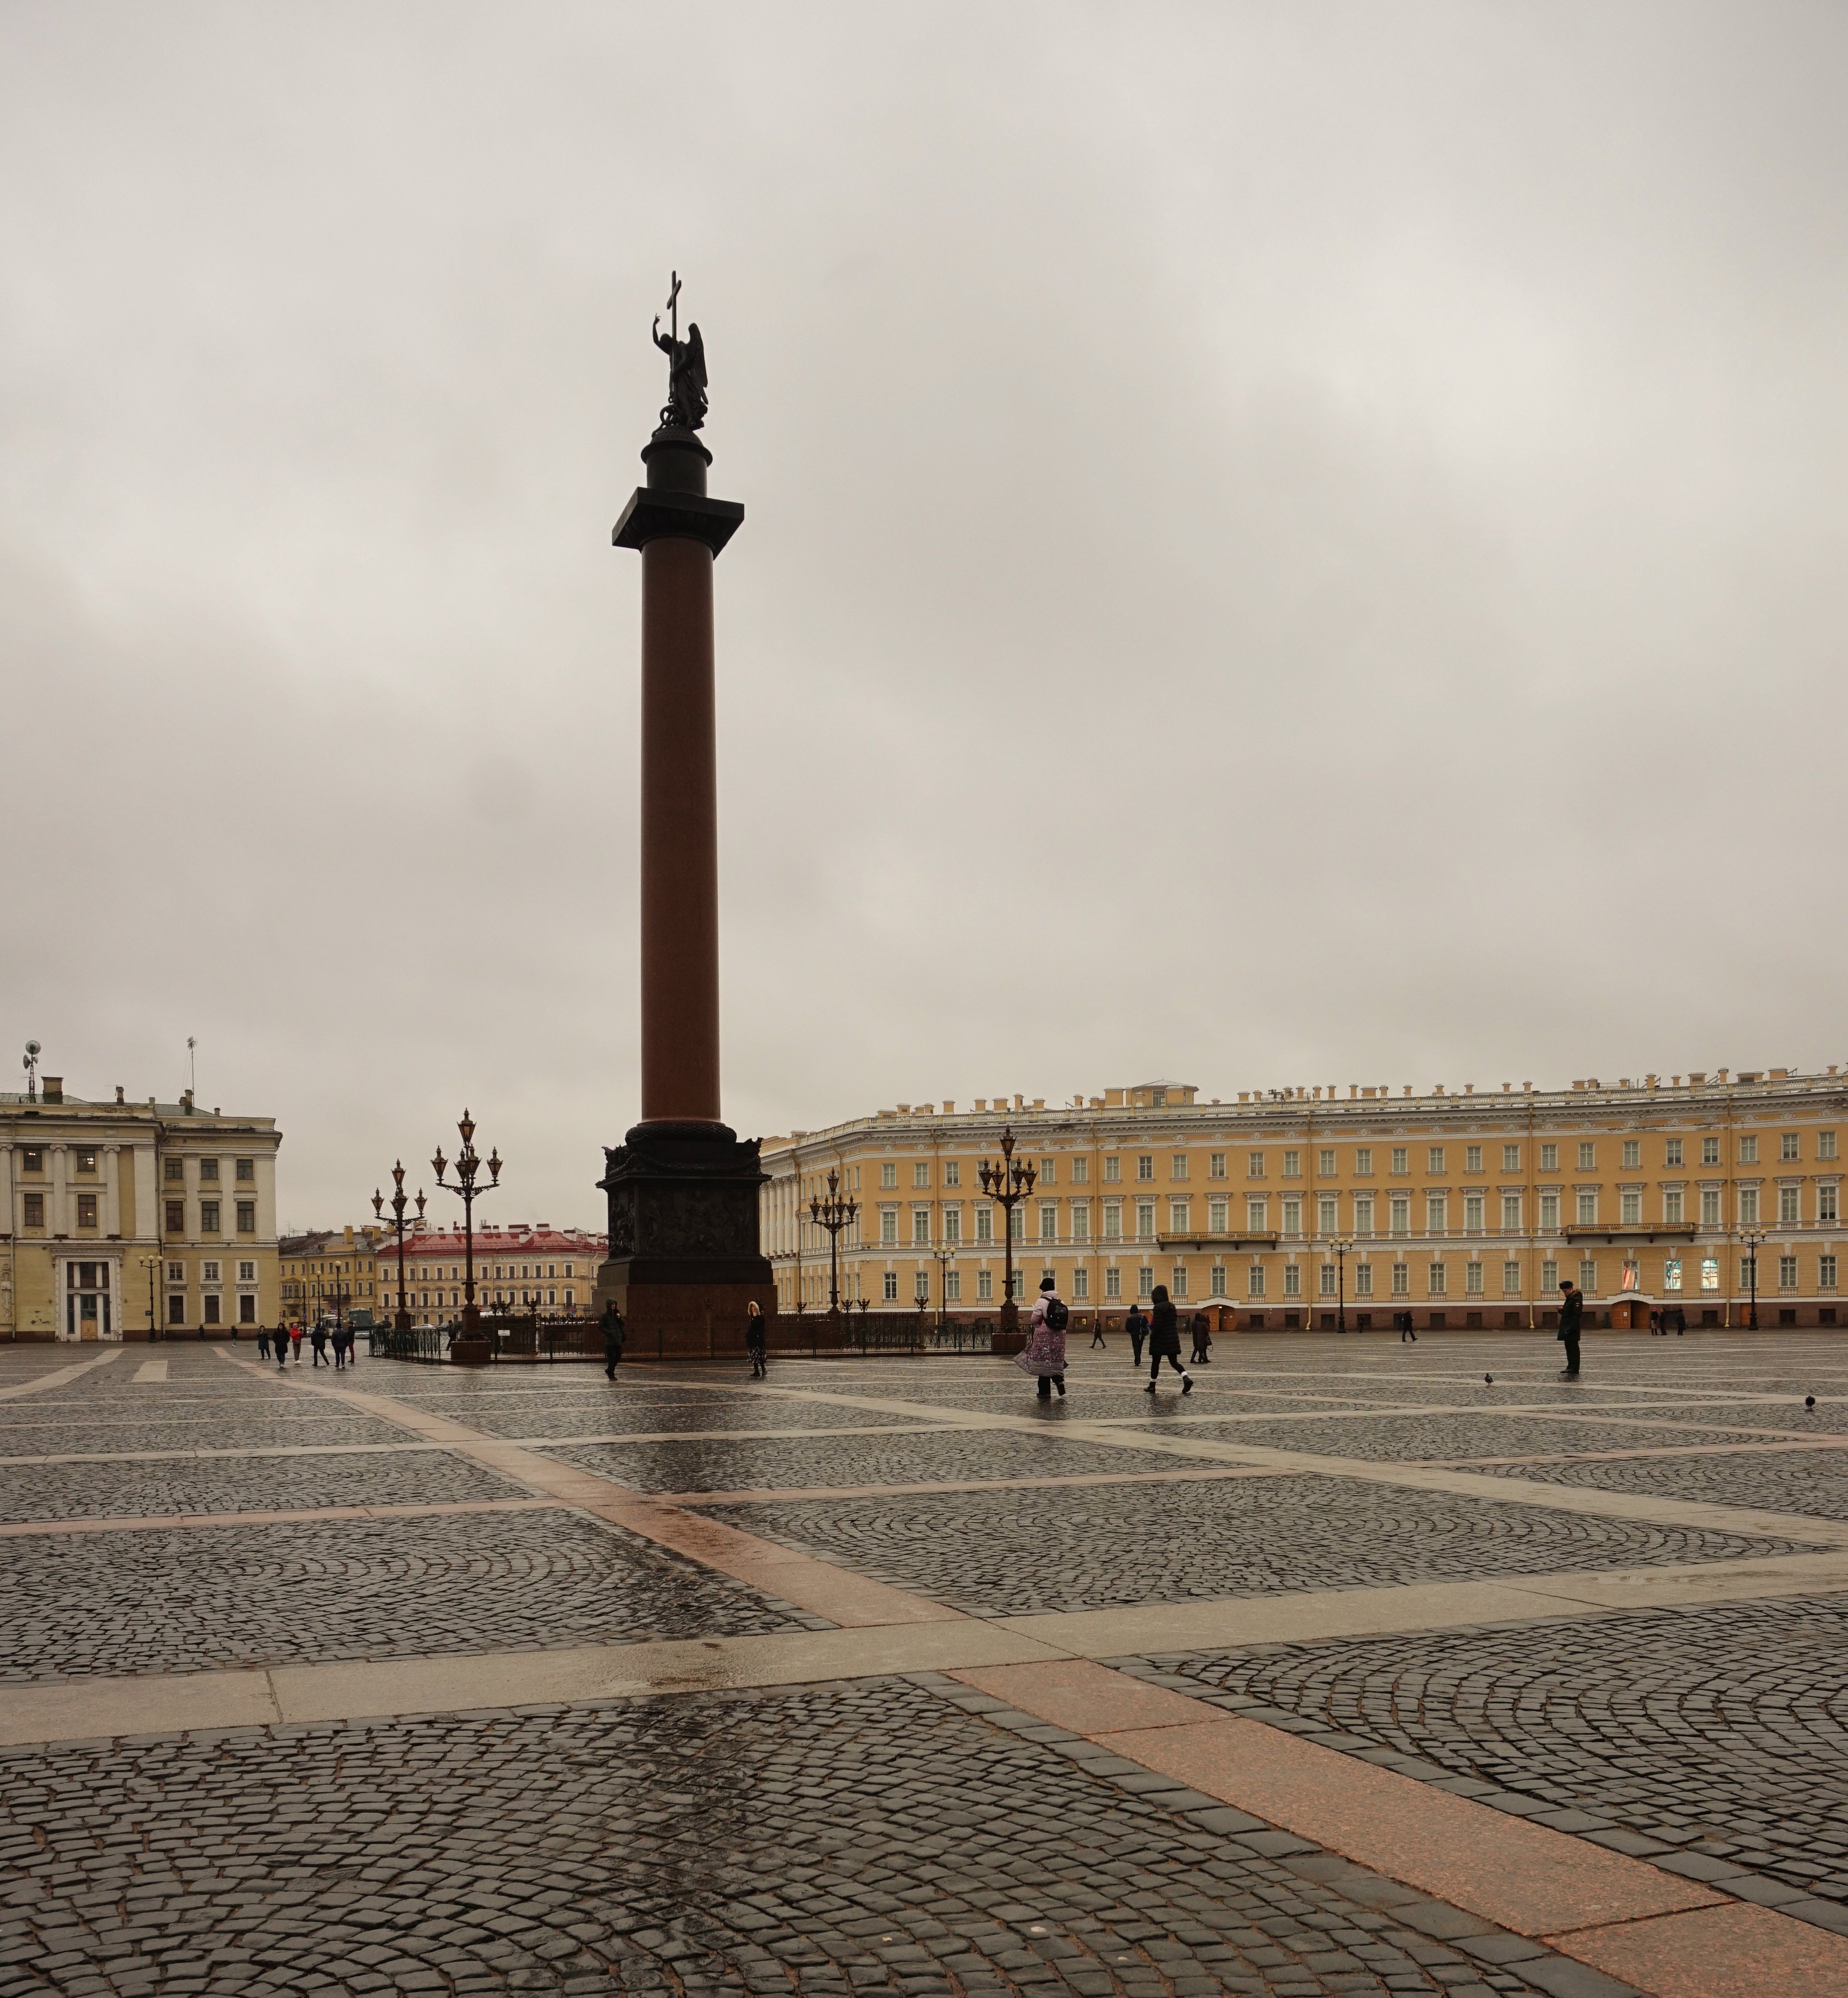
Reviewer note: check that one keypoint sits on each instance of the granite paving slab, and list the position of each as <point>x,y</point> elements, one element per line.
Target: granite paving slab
<point>1719,1732</point>
<point>871,1839</point>
<point>300,1592</point>
<point>1020,1553</point>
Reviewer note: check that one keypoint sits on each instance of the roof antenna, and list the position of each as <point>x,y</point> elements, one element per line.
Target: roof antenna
<point>32,1071</point>
<point>192,1071</point>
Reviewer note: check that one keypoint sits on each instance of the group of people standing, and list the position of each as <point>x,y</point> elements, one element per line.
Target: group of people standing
<point>287,1339</point>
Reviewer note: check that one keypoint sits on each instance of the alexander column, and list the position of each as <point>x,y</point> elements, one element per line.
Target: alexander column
<point>684,1253</point>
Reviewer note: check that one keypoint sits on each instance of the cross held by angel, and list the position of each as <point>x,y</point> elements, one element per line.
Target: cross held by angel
<point>686,408</point>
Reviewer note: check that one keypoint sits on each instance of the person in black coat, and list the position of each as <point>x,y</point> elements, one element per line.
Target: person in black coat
<point>1164,1342</point>
<point>614,1336</point>
<point>1136,1326</point>
<point>1571,1316</point>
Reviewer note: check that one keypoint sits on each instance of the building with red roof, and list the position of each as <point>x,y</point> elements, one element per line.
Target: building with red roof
<point>519,1266</point>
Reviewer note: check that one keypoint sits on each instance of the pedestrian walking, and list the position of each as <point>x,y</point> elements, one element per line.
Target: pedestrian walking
<point>1136,1326</point>
<point>756,1343</point>
<point>1402,1320</point>
<point>295,1340</point>
<point>1044,1352</point>
<point>263,1342</point>
<point>282,1345</point>
<point>342,1340</point>
<point>1203,1338</point>
<point>318,1340</point>
<point>1572,1315</point>
<point>1164,1342</point>
<point>1680,1321</point>
<point>614,1336</point>
<point>1097,1338</point>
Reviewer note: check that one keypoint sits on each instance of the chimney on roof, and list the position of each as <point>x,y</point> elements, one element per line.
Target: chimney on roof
<point>119,1097</point>
<point>51,1088</point>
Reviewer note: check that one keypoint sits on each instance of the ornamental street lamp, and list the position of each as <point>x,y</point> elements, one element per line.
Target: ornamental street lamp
<point>1341,1285</point>
<point>1752,1237</point>
<point>467,1164</point>
<point>401,1318</point>
<point>150,1264</point>
<point>1007,1185</point>
<point>833,1214</point>
<point>943,1256</point>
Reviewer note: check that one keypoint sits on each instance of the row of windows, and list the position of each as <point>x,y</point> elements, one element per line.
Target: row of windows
<point>209,1212</point>
<point>211,1308</point>
<point>1587,1210</point>
<point>1331,1282</point>
<point>1437,1160</point>
<point>84,1163</point>
<point>1397,1161</point>
<point>434,1273</point>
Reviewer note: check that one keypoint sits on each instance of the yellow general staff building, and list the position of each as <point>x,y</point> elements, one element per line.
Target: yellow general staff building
<point>1465,1208</point>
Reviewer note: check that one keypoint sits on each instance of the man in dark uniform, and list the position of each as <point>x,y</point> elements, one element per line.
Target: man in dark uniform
<point>1572,1313</point>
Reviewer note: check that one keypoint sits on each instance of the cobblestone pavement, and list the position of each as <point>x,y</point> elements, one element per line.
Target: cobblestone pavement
<point>1017,1554</point>
<point>888,1832</point>
<point>227,1432</point>
<point>1813,1481</point>
<point>1717,1732</point>
<point>242,1484</point>
<point>871,1838</point>
<point>292,1592</point>
<point>634,1414</point>
<point>888,1458</point>
<point>1412,1437</point>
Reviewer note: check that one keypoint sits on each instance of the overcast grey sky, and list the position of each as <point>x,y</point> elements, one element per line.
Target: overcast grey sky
<point>1284,545</point>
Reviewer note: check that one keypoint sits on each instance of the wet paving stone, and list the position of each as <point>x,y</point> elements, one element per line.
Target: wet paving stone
<point>117,1603</point>
<point>1801,1481</point>
<point>1414,1438</point>
<point>1022,1553</point>
<point>884,1459</point>
<point>876,1838</point>
<point>142,1488</point>
<point>1720,1732</point>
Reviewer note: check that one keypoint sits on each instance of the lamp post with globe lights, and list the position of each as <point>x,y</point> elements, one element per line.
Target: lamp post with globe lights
<point>401,1318</point>
<point>834,1213</point>
<point>1007,1185</point>
<point>468,1163</point>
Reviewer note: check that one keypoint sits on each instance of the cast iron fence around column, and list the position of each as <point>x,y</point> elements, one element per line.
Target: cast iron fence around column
<point>845,1334</point>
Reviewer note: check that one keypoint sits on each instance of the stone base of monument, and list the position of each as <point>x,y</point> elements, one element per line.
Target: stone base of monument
<point>471,1353</point>
<point>684,1260</point>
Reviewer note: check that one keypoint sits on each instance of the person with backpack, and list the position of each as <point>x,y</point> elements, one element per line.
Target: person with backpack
<point>1136,1326</point>
<point>1044,1352</point>
<point>1164,1342</point>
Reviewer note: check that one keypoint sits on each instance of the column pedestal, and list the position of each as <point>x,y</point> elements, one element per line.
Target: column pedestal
<point>684,1255</point>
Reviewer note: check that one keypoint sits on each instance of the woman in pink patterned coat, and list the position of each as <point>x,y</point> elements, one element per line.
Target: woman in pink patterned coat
<point>1044,1352</point>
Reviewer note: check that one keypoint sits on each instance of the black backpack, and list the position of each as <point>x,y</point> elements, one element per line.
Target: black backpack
<point>1057,1316</point>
